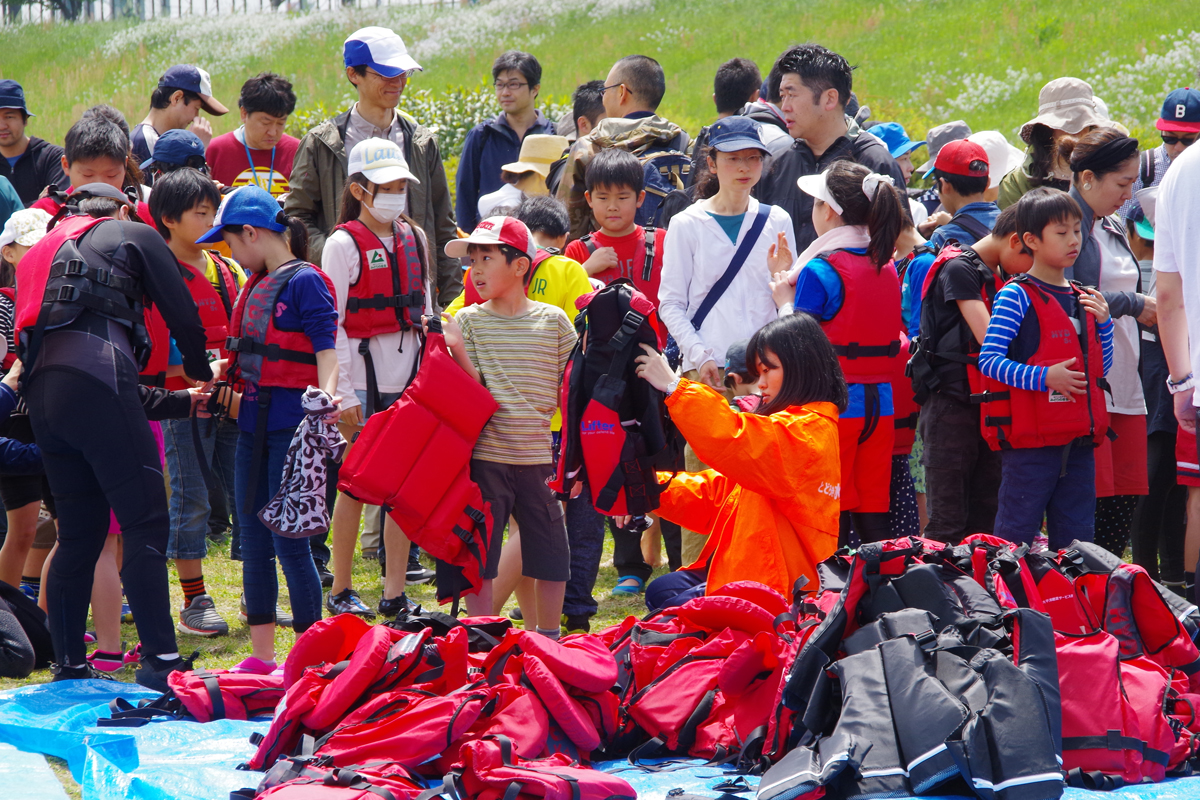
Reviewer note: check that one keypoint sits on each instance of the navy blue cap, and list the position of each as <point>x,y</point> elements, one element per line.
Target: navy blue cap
<point>736,133</point>
<point>735,357</point>
<point>12,96</point>
<point>1180,112</point>
<point>192,79</point>
<point>895,137</point>
<point>246,205</point>
<point>175,146</point>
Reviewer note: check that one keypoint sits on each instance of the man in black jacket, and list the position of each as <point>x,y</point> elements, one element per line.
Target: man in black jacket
<point>30,163</point>
<point>814,87</point>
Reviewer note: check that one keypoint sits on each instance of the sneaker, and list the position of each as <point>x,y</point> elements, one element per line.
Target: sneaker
<point>126,614</point>
<point>200,618</point>
<point>255,666</point>
<point>515,615</point>
<point>370,553</point>
<point>153,671</point>
<point>628,585</point>
<point>326,576</point>
<point>107,662</point>
<point>89,637</point>
<point>282,618</point>
<point>81,673</point>
<point>418,573</point>
<point>397,606</point>
<point>576,623</point>
<point>135,655</point>
<point>347,601</point>
<point>29,590</point>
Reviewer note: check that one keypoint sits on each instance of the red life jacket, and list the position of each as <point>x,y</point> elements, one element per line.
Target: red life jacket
<point>11,356</point>
<point>864,332</point>
<point>471,294</point>
<point>155,371</point>
<point>1020,418</point>
<point>215,306</point>
<point>262,353</point>
<point>491,770</point>
<point>435,422</point>
<point>904,402</point>
<point>386,297</point>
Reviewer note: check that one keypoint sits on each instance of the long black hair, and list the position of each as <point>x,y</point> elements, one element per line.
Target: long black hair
<point>811,372</point>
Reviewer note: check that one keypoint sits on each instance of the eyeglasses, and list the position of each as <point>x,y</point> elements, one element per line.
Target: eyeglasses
<point>604,89</point>
<point>1186,141</point>
<point>512,86</point>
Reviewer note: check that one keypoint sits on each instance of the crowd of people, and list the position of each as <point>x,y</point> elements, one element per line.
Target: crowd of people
<point>849,357</point>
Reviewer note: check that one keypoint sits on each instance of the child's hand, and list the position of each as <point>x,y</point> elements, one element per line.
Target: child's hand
<point>333,416</point>
<point>782,289</point>
<point>13,375</point>
<point>451,332</point>
<point>1149,315</point>
<point>1095,304</point>
<point>779,255</point>
<point>1066,381</point>
<point>654,369</point>
<point>605,258</point>
<point>200,398</point>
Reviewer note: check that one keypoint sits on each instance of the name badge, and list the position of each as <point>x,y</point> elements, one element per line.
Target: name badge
<point>1058,397</point>
<point>1149,337</point>
<point>377,259</point>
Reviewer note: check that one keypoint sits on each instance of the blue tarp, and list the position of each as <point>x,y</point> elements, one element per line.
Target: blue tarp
<point>185,760</point>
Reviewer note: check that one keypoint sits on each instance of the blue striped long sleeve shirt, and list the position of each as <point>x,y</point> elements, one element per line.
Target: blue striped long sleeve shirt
<point>1008,310</point>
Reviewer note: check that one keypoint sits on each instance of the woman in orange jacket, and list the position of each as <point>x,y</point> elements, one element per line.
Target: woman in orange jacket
<point>770,503</point>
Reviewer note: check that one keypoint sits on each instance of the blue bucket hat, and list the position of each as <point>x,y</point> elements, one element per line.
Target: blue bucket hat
<point>736,133</point>
<point>895,137</point>
<point>13,96</point>
<point>246,205</point>
<point>175,146</point>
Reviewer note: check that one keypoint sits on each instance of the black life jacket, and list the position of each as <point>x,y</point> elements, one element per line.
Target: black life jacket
<point>616,432</point>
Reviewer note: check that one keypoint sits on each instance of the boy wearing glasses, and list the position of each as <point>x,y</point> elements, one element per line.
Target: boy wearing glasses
<point>1179,125</point>
<point>491,144</point>
<point>377,65</point>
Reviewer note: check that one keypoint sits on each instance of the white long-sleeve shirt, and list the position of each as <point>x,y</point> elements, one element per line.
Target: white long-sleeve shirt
<point>696,253</point>
<point>394,354</point>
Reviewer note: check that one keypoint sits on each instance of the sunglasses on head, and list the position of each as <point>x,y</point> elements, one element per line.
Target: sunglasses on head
<point>1186,141</point>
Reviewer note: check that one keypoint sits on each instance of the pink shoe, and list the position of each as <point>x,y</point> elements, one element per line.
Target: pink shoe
<point>89,637</point>
<point>107,662</point>
<point>255,666</point>
<point>134,656</point>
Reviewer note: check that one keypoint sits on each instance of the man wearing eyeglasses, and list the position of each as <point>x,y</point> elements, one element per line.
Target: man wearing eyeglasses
<point>1178,125</point>
<point>378,66</point>
<point>495,142</point>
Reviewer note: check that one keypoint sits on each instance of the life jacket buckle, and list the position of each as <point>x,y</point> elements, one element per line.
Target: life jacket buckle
<point>74,266</point>
<point>67,294</point>
<point>926,639</point>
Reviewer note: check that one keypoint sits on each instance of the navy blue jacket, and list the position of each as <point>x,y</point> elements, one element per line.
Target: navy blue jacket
<point>488,147</point>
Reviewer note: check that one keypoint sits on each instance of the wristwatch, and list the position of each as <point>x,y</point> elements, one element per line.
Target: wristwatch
<point>1182,386</point>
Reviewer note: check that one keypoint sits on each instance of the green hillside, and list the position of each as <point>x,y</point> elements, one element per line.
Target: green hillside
<point>919,61</point>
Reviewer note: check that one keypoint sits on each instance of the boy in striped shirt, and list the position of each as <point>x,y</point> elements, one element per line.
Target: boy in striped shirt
<point>517,348</point>
<point>1055,481</point>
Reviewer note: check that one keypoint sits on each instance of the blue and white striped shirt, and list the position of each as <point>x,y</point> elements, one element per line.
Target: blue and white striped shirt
<point>1008,311</point>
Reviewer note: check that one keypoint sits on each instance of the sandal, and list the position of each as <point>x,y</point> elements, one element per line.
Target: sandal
<point>628,585</point>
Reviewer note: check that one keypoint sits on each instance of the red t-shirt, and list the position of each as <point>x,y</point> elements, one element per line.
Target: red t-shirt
<point>631,258</point>
<point>227,162</point>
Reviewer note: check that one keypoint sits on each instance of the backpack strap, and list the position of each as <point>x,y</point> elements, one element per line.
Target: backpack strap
<point>1148,165</point>
<point>735,265</point>
<point>970,225</point>
<point>648,265</point>
<point>590,243</point>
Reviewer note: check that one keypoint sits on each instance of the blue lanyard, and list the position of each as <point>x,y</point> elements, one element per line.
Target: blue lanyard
<point>253,169</point>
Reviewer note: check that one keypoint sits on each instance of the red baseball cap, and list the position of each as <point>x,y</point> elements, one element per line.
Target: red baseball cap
<point>955,159</point>
<point>497,231</point>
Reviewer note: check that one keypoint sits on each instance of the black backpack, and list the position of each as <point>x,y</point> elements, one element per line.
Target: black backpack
<point>616,432</point>
<point>666,168</point>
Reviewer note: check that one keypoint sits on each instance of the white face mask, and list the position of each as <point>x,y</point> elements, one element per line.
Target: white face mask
<point>387,207</point>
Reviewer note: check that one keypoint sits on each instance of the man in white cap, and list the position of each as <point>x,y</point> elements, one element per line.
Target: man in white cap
<point>377,64</point>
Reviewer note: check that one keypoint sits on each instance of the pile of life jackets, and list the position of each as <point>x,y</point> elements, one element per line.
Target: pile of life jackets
<point>987,670</point>
<point>915,668</point>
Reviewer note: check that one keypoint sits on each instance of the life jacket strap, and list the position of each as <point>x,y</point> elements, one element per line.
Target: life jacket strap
<point>78,268</point>
<point>414,299</point>
<point>854,350</point>
<point>271,352</point>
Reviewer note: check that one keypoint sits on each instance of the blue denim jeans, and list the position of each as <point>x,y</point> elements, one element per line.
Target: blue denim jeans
<point>260,547</point>
<point>190,507</point>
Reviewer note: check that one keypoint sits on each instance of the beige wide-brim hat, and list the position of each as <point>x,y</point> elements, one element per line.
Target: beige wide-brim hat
<point>538,152</point>
<point>1064,104</point>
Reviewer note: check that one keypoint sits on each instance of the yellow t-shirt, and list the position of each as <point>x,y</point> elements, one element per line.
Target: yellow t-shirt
<point>559,281</point>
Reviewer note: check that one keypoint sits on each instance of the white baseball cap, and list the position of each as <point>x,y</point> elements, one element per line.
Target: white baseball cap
<point>25,227</point>
<point>495,230</point>
<point>380,49</point>
<point>815,186</point>
<point>381,161</point>
<point>1002,157</point>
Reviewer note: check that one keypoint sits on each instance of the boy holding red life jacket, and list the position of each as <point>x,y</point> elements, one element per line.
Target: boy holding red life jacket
<point>517,348</point>
<point>183,205</point>
<point>962,474</point>
<point>377,258</point>
<point>620,248</point>
<point>1050,341</point>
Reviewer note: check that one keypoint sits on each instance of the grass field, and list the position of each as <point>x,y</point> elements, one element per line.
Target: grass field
<point>919,61</point>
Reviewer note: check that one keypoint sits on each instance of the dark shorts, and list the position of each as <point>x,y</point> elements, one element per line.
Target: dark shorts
<point>521,492</point>
<point>18,491</point>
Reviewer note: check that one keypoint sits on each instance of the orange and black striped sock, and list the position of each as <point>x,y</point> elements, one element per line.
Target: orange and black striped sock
<point>191,588</point>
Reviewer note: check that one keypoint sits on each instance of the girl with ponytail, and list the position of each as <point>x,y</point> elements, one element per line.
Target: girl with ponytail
<point>282,340</point>
<point>847,280</point>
